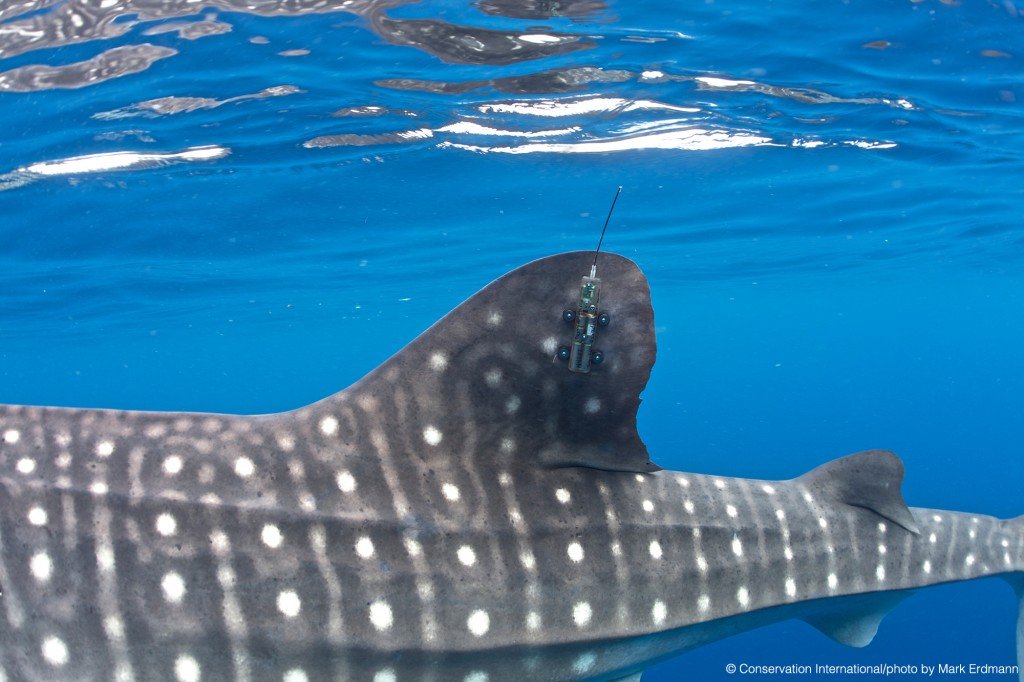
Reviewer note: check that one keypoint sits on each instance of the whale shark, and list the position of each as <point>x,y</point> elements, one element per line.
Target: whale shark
<point>480,507</point>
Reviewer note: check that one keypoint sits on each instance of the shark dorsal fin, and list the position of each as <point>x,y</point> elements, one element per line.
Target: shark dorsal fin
<point>870,480</point>
<point>486,379</point>
<point>855,622</point>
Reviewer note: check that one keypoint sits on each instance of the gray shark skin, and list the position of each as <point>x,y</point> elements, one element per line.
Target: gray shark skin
<point>470,510</point>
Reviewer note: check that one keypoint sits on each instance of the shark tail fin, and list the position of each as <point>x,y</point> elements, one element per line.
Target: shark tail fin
<point>1016,581</point>
<point>869,480</point>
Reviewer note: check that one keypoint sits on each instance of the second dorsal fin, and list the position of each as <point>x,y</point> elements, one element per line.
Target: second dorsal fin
<point>870,480</point>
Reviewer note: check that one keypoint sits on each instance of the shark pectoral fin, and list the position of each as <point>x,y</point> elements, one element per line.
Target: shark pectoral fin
<point>855,622</point>
<point>870,480</point>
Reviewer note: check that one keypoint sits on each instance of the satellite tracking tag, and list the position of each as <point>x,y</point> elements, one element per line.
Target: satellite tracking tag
<point>581,354</point>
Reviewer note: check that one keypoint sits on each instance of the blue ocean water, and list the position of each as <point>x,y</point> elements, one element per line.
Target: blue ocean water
<point>243,207</point>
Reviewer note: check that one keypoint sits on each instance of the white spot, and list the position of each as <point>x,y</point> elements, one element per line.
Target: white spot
<point>450,492</point>
<point>592,405</point>
<point>833,581</point>
<point>288,603</point>
<point>166,525</point>
<point>969,560</point>
<point>881,549</point>
<point>648,506</point>
<point>731,510</point>
<point>575,551</point>
<point>438,362</point>
<point>493,377</point>
<point>104,448</point>
<point>549,345</point>
<point>790,587</point>
<point>173,586</point>
<point>154,430</point>
<point>412,547</point>
<point>563,496</point>
<point>659,612</point>
<point>466,555</point>
<point>532,620</point>
<point>512,404</point>
<point>768,489</point>
<point>688,506</point>
<point>743,596</point>
<point>207,473</point>
<point>972,533</point>
<point>386,675</point>
<point>581,614</point>
<point>37,516</point>
<point>172,465</point>
<point>186,669</point>
<point>478,623</point>
<point>55,651</point>
<point>936,518</point>
<point>882,527</point>
<point>639,478</point>
<point>494,319</point>
<point>26,465</point>
<point>683,481</point>
<point>507,445</point>
<point>720,484</point>
<point>432,435</point>
<point>1005,543</point>
<point>41,566</point>
<point>114,627</point>
<point>380,615</point>
<point>504,479</point>
<point>788,552</point>
<point>780,514</point>
<point>880,572</point>
<point>364,547</point>
<point>329,426</point>
<point>932,539</point>
<point>63,460</point>
<point>219,541</point>
<point>650,74</point>
<point>11,436</point>
<point>1006,558</point>
<point>822,522</point>
<point>299,675</point>
<point>271,536</point>
<point>475,676</point>
<point>809,498</point>
<point>616,549</point>
<point>528,560</point>
<point>244,467</point>
<point>105,558</point>
<point>655,549</point>
<point>346,481</point>
<point>704,603</point>
<point>584,663</point>
<point>737,546</point>
<point>702,563</point>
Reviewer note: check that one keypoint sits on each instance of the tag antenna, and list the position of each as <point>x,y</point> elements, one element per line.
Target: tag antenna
<point>593,268</point>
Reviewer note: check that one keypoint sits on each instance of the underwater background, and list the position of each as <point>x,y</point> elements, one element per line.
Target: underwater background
<point>245,206</point>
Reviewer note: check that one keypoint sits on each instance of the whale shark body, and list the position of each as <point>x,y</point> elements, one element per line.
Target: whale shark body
<point>470,510</point>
